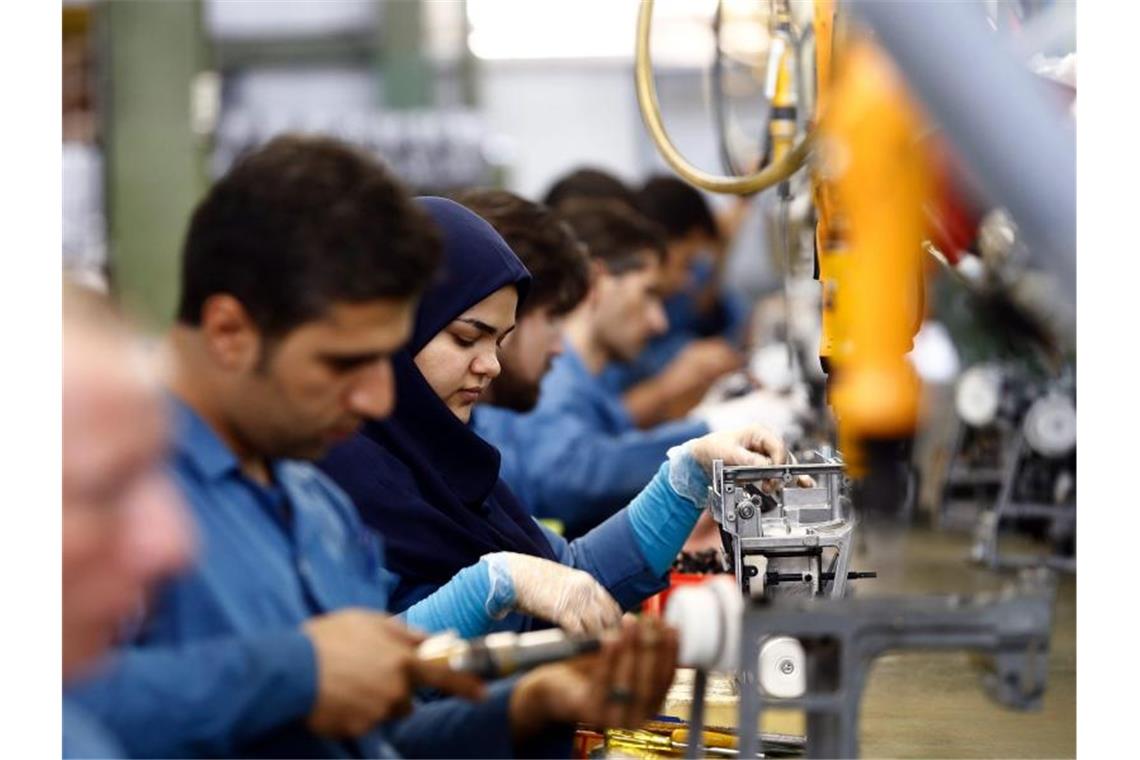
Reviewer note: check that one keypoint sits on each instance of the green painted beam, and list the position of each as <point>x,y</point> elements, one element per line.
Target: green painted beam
<point>155,163</point>
<point>404,66</point>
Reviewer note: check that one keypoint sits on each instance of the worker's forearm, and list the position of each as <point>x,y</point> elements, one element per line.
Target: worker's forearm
<point>648,402</point>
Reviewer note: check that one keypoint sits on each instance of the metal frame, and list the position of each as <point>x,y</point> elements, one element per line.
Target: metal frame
<point>842,638</point>
<point>804,523</point>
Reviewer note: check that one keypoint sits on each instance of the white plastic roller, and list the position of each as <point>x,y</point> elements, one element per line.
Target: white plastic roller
<point>707,618</point>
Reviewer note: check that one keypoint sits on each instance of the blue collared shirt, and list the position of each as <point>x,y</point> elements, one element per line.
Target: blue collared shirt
<point>221,666</point>
<point>578,457</point>
<point>84,737</point>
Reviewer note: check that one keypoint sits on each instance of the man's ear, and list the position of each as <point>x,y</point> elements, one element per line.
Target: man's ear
<point>231,337</point>
<point>600,282</point>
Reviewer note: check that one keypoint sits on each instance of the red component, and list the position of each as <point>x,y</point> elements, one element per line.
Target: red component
<point>953,218</point>
<point>655,605</point>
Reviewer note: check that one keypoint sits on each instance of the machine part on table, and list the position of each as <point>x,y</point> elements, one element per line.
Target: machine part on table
<point>784,535</point>
<point>841,639</point>
<point>501,654</point>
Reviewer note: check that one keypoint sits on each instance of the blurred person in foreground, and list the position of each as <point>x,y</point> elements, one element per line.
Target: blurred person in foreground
<point>301,271</point>
<point>124,528</point>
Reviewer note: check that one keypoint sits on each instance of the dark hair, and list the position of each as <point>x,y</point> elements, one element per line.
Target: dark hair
<point>544,243</point>
<point>300,224</point>
<point>615,234</point>
<point>588,182</point>
<point>678,207</point>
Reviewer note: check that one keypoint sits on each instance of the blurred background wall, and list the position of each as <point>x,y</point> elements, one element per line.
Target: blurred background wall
<point>159,97</point>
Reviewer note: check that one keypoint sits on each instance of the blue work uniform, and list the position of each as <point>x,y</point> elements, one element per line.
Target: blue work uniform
<point>726,319</point>
<point>221,667</point>
<point>578,457</point>
<point>83,736</point>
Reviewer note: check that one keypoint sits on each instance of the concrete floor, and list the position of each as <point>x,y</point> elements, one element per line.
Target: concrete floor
<point>920,704</point>
<point>932,705</point>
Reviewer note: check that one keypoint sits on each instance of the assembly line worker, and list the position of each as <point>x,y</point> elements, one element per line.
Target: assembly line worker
<point>430,485</point>
<point>124,527</point>
<point>300,271</point>
<point>674,370</point>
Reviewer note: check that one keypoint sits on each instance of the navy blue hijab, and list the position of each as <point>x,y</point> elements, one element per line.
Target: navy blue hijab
<point>422,478</point>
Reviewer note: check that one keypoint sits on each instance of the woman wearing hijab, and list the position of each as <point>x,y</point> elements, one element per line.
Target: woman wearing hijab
<point>430,485</point>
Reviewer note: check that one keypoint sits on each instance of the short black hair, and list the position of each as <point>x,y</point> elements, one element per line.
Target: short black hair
<point>677,206</point>
<point>545,244</point>
<point>589,182</point>
<point>300,224</point>
<point>615,234</point>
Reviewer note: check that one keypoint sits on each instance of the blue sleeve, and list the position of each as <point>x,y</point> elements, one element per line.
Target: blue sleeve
<point>457,728</point>
<point>205,698</point>
<point>469,603</point>
<point>588,474</point>
<point>663,515</point>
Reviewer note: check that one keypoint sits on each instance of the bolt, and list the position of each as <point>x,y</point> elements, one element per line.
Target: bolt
<point>746,511</point>
<point>787,667</point>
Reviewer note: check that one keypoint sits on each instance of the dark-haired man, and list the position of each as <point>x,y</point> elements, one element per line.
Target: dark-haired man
<point>674,371</point>
<point>301,270</point>
<point>588,183</point>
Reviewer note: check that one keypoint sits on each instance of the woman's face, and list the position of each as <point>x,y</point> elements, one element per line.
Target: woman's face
<point>462,359</point>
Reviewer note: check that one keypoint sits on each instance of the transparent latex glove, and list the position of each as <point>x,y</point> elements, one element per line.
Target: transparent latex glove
<point>570,598</point>
<point>753,446</point>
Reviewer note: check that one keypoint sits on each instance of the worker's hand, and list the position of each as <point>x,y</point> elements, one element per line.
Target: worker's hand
<point>701,362</point>
<point>754,446</point>
<point>559,594</point>
<point>620,686</point>
<point>367,670</point>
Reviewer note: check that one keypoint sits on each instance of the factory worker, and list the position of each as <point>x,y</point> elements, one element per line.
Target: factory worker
<point>427,482</point>
<point>124,527</point>
<point>669,375</point>
<point>677,368</point>
<point>300,273</point>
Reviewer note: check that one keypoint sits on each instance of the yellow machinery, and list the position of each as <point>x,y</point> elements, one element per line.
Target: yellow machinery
<point>870,182</point>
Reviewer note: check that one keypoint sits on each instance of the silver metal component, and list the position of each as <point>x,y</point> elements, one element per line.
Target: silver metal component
<point>794,537</point>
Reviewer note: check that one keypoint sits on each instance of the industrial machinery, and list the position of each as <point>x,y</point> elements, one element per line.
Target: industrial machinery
<point>891,137</point>
<point>1015,453</point>
<point>796,536</point>
<point>840,640</point>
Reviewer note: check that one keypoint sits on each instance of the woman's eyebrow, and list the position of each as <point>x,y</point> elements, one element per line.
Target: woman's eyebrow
<point>482,326</point>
